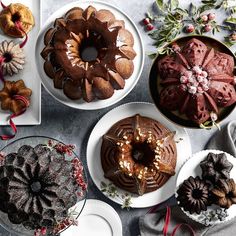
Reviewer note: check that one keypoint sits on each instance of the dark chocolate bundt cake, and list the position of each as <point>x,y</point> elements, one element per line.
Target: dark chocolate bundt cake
<point>193,195</point>
<point>196,81</point>
<point>224,193</point>
<point>138,154</point>
<point>88,78</point>
<point>36,187</point>
<point>215,167</point>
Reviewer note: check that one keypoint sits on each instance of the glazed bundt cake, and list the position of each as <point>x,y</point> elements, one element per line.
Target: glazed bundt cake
<point>80,75</point>
<point>196,81</point>
<point>16,12</point>
<point>138,154</point>
<point>36,187</point>
<point>193,195</point>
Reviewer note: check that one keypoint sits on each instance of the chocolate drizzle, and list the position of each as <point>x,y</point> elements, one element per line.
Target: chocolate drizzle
<point>100,76</point>
<point>138,154</point>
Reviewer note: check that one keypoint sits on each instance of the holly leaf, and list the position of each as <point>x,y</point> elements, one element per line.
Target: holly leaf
<point>209,1</point>
<point>181,11</point>
<point>160,4</point>
<point>192,9</point>
<point>152,56</point>
<point>204,8</point>
<point>231,20</point>
<point>174,4</point>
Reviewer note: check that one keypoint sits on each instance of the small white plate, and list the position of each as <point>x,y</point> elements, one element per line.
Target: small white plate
<point>192,168</point>
<point>105,123</point>
<point>97,218</point>
<point>33,114</point>
<point>119,94</point>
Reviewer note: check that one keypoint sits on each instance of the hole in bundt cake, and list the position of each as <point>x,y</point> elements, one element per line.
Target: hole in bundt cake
<point>15,17</point>
<point>196,193</point>
<point>92,47</point>
<point>7,56</point>
<point>142,153</point>
<point>35,187</point>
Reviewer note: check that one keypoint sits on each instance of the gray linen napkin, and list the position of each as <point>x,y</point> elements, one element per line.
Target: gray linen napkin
<point>152,224</point>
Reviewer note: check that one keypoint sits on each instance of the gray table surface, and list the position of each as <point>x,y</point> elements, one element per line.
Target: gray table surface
<point>74,126</point>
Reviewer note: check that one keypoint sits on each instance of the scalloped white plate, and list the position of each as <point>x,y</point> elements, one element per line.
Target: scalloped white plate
<point>119,94</point>
<point>97,218</point>
<point>192,168</point>
<point>104,124</point>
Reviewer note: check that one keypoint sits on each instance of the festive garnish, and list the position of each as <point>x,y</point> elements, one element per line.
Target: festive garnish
<point>211,123</point>
<point>211,216</point>
<point>62,148</point>
<point>79,176</point>
<point>171,20</point>
<point>111,191</point>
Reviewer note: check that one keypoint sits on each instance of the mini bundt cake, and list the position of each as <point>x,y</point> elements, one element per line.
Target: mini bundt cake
<point>215,167</point>
<point>15,96</point>
<point>16,12</point>
<point>37,187</point>
<point>82,76</point>
<point>13,57</point>
<point>138,154</point>
<point>193,195</point>
<point>224,193</point>
<point>196,81</point>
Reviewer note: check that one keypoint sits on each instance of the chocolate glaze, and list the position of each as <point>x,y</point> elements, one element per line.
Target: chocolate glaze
<point>93,79</point>
<point>138,154</point>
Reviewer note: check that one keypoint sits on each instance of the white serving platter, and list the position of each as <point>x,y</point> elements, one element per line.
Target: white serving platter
<point>119,94</point>
<point>105,123</point>
<point>33,114</point>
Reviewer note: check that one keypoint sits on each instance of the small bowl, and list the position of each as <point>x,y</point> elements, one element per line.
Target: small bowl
<point>155,86</point>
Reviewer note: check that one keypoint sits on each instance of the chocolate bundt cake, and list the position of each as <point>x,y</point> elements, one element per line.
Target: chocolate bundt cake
<point>193,195</point>
<point>36,187</point>
<point>16,12</point>
<point>138,154</point>
<point>80,75</point>
<point>215,167</point>
<point>224,193</point>
<point>196,81</point>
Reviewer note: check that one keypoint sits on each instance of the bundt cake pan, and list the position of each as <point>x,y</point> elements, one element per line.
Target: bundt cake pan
<point>155,87</point>
<point>118,94</point>
<point>191,167</point>
<point>33,141</point>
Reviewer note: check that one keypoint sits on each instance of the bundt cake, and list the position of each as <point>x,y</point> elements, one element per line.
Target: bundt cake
<point>193,195</point>
<point>15,96</point>
<point>37,187</point>
<point>196,81</point>
<point>215,167</point>
<point>138,154</point>
<point>13,57</point>
<point>79,74</point>
<point>224,193</point>
<point>16,12</point>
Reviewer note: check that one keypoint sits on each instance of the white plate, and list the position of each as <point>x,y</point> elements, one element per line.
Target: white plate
<point>97,218</point>
<point>121,112</point>
<point>119,94</point>
<point>192,168</point>
<point>33,114</point>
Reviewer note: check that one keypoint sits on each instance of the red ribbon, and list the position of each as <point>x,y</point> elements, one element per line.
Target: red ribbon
<point>18,26</point>
<point>167,222</point>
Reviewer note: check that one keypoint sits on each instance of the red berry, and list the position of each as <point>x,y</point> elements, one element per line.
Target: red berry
<point>204,18</point>
<point>150,27</point>
<point>190,28</point>
<point>146,21</point>
<point>211,16</point>
<point>207,28</point>
<point>43,230</point>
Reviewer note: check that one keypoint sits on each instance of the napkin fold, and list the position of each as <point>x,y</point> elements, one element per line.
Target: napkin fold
<point>153,224</point>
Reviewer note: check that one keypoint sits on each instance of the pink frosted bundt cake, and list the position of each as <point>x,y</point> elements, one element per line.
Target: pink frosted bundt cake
<point>88,78</point>
<point>196,80</point>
